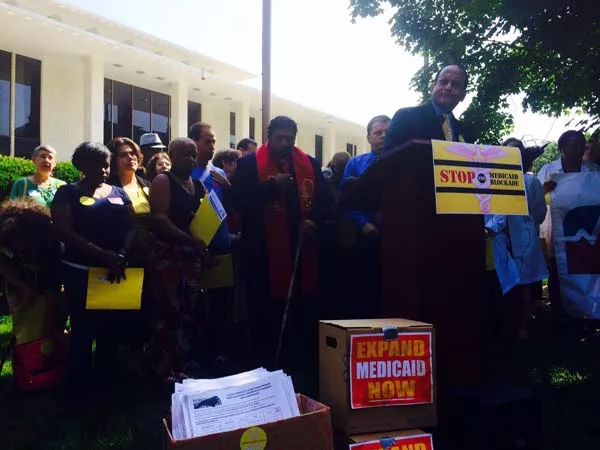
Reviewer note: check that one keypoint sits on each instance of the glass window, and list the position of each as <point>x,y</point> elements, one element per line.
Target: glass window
<point>351,149</point>
<point>252,128</point>
<point>194,113</point>
<point>4,103</point>
<point>232,130</point>
<point>160,122</point>
<point>27,105</point>
<point>108,110</point>
<point>141,113</point>
<point>121,109</point>
<point>319,148</point>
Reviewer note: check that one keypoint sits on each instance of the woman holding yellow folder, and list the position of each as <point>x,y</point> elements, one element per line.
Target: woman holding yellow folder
<point>176,259</point>
<point>95,221</point>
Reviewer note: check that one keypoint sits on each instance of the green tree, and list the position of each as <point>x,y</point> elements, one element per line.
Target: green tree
<point>548,50</point>
<point>551,153</point>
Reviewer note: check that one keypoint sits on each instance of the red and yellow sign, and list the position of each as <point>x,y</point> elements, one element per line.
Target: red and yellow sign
<point>390,372</point>
<point>420,442</point>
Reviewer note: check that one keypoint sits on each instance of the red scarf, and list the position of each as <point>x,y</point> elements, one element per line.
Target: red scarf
<point>277,227</point>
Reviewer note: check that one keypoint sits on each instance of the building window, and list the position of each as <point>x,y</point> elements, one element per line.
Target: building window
<point>351,149</point>
<point>122,111</point>
<point>131,111</point>
<point>20,96</point>
<point>5,63</point>
<point>319,148</point>
<point>194,113</point>
<point>142,110</point>
<point>160,118</point>
<point>232,130</point>
<point>252,128</point>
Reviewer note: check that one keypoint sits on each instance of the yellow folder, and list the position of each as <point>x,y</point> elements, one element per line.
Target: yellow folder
<point>125,295</point>
<point>208,218</point>
<point>219,276</point>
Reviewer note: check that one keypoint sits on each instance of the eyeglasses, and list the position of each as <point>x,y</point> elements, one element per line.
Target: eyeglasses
<point>126,154</point>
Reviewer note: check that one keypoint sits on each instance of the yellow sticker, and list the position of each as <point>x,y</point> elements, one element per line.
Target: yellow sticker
<point>86,201</point>
<point>253,438</point>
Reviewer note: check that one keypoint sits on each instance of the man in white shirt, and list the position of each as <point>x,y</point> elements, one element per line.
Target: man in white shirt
<point>572,147</point>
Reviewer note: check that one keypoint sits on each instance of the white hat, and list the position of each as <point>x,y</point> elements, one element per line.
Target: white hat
<point>151,140</point>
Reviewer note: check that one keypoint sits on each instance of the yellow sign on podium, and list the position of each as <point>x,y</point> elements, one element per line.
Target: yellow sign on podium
<point>104,295</point>
<point>478,179</point>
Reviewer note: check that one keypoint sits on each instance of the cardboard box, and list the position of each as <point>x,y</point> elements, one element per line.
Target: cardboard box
<point>310,430</point>
<point>392,440</point>
<point>387,371</point>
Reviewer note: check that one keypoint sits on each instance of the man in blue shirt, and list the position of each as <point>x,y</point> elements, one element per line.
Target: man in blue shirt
<point>365,255</point>
<point>376,132</point>
<point>213,178</point>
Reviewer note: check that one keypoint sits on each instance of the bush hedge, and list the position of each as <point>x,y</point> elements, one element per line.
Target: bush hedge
<point>12,168</point>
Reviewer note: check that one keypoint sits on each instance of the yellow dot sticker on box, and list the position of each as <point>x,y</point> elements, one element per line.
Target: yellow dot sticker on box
<point>253,439</point>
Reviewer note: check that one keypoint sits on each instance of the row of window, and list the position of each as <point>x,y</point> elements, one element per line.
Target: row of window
<point>129,111</point>
<point>350,148</point>
<point>20,94</point>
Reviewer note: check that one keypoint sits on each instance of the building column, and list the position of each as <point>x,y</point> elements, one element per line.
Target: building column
<point>93,127</point>
<point>329,144</point>
<point>179,110</point>
<point>242,120</point>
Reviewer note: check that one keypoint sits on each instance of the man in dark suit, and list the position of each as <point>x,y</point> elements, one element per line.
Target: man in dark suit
<point>434,120</point>
<point>283,198</point>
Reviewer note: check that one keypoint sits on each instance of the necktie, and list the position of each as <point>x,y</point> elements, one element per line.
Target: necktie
<point>446,127</point>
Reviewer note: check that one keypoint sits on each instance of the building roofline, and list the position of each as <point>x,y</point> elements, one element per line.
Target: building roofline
<point>102,26</point>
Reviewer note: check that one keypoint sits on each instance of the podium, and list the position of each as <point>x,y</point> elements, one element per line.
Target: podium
<point>433,266</point>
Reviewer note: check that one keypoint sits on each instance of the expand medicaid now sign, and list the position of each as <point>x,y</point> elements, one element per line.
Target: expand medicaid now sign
<point>478,179</point>
<point>390,372</point>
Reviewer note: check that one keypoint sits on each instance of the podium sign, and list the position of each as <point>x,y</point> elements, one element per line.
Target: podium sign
<point>478,179</point>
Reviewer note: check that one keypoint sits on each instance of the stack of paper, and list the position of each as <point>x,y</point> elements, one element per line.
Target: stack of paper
<point>201,407</point>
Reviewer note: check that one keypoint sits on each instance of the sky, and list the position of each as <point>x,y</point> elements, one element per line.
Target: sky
<point>319,58</point>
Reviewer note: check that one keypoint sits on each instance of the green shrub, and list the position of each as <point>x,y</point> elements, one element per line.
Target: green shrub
<point>13,168</point>
<point>66,171</point>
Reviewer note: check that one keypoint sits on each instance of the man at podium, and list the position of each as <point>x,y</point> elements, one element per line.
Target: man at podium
<point>434,120</point>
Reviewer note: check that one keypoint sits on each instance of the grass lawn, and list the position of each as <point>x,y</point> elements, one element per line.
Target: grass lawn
<point>564,371</point>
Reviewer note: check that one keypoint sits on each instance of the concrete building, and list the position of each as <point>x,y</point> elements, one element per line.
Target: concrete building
<point>67,75</point>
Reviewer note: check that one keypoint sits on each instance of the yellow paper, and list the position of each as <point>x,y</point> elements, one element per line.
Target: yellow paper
<point>125,295</point>
<point>208,218</point>
<point>478,179</point>
<point>219,276</point>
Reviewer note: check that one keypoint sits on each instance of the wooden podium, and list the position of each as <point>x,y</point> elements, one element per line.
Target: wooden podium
<point>433,266</point>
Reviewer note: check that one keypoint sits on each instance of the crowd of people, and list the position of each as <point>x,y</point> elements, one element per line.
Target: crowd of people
<point>133,207</point>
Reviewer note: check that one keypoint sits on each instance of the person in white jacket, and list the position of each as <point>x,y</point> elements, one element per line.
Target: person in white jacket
<point>518,255</point>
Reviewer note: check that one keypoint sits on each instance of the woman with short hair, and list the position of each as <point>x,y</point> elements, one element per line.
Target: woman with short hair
<point>176,261</point>
<point>95,221</point>
<point>40,186</point>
